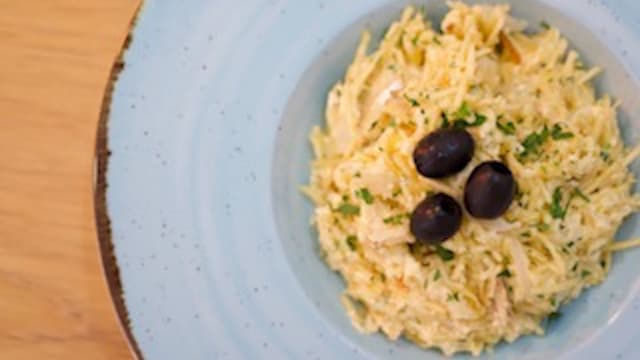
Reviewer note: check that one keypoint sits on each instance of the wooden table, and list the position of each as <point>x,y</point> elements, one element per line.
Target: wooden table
<point>55,61</point>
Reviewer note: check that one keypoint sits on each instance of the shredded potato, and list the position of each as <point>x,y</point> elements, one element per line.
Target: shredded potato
<point>499,279</point>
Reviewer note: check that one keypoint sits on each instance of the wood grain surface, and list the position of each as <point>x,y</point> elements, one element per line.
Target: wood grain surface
<point>55,61</point>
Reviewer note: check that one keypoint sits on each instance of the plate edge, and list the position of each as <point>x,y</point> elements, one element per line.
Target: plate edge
<point>102,219</point>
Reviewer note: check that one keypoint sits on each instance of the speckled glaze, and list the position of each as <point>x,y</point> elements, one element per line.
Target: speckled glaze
<point>208,133</point>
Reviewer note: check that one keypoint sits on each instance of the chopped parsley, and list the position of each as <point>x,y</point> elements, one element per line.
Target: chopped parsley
<point>581,195</point>
<point>365,195</point>
<point>554,316</point>
<point>505,273</point>
<point>373,125</point>
<point>545,25</point>
<point>479,119</point>
<point>445,121</point>
<point>542,227</point>
<point>348,209</point>
<point>460,117</point>
<point>395,219</point>
<point>533,141</point>
<point>436,40</point>
<point>414,41</point>
<point>558,134</point>
<point>585,273</point>
<point>412,101</point>
<point>526,234</point>
<point>507,128</point>
<point>453,297</point>
<point>444,253</point>
<point>604,155</point>
<point>437,275</point>
<point>556,209</point>
<point>462,112</point>
<point>352,242</point>
<point>396,192</point>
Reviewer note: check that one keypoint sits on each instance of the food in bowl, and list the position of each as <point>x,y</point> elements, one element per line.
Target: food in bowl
<point>469,181</point>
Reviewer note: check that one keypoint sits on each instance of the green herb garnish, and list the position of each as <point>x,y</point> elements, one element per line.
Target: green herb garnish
<point>505,273</point>
<point>508,128</point>
<point>558,134</point>
<point>396,192</point>
<point>453,297</point>
<point>559,212</point>
<point>365,195</point>
<point>436,40</point>
<point>461,115</point>
<point>545,25</point>
<point>395,219</point>
<point>581,195</point>
<point>462,112</point>
<point>554,316</point>
<point>445,121</point>
<point>585,273</point>
<point>444,253</point>
<point>542,227</point>
<point>556,210</point>
<point>479,119</point>
<point>348,209</point>
<point>412,101</point>
<point>533,142</point>
<point>352,242</point>
<point>437,275</point>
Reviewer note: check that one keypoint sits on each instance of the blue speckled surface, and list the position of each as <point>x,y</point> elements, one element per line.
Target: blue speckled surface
<point>208,134</point>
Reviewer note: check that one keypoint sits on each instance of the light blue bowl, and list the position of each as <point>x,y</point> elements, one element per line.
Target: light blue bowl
<point>208,130</point>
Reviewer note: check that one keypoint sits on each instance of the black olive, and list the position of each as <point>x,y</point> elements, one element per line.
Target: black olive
<point>436,219</point>
<point>489,190</point>
<point>443,152</point>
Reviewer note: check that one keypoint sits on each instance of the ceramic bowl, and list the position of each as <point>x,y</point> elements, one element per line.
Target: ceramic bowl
<point>208,132</point>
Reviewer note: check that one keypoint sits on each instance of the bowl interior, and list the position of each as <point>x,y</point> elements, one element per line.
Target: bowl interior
<point>584,319</point>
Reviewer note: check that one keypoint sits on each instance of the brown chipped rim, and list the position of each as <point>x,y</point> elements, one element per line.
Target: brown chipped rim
<point>103,222</point>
